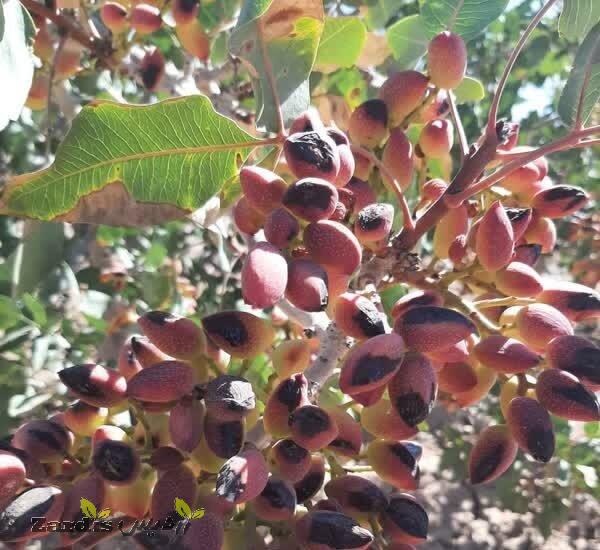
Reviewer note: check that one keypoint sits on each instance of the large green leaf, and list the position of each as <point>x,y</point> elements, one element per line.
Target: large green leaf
<point>134,165</point>
<point>464,17</point>
<point>578,17</point>
<point>341,43</point>
<point>284,36</point>
<point>582,90</point>
<point>408,40</point>
<point>16,61</point>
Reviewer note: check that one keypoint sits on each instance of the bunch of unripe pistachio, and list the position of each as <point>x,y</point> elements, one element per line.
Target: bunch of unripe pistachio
<point>488,318</point>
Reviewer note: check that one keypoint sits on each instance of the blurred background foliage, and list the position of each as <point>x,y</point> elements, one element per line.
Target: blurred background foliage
<point>70,293</point>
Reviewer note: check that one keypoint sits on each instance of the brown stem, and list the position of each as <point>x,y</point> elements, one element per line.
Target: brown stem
<point>393,183</point>
<point>568,142</point>
<point>493,115</point>
<point>66,24</point>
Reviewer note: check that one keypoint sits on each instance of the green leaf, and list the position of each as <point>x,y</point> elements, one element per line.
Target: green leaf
<point>199,513</point>
<point>466,18</point>
<point>38,313</point>
<point>381,11</point>
<point>182,508</point>
<point>285,38</point>
<point>469,90</point>
<point>578,17</point>
<point>103,514</point>
<point>582,90</point>
<point>408,40</point>
<point>9,313</point>
<point>592,429</point>
<point>88,508</point>
<point>134,165</point>
<point>36,256</point>
<point>341,43</point>
<point>16,61</point>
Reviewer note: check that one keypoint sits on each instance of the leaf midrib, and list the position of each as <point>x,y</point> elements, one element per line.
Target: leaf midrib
<point>146,155</point>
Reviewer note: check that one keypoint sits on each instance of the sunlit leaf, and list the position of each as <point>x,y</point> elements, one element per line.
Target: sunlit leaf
<point>16,60</point>
<point>284,35</point>
<point>341,43</point>
<point>464,17</point>
<point>134,165</point>
<point>578,17</point>
<point>469,90</point>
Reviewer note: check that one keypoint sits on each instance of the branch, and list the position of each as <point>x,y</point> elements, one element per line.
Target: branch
<point>570,141</point>
<point>460,130</point>
<point>493,115</point>
<point>68,25</point>
<point>393,183</point>
<point>471,169</point>
<point>270,77</point>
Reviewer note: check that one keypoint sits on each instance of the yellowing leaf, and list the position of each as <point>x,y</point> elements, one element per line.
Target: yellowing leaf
<point>88,508</point>
<point>182,508</point>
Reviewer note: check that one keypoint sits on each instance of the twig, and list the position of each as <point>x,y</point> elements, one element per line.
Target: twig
<point>570,141</point>
<point>395,186</point>
<point>460,130</point>
<point>501,302</point>
<point>68,25</point>
<point>270,76</point>
<point>51,74</point>
<point>333,344</point>
<point>493,115</point>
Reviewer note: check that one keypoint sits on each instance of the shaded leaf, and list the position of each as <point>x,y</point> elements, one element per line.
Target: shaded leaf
<point>286,36</point>
<point>464,17</point>
<point>16,60</point>
<point>341,43</point>
<point>88,508</point>
<point>470,89</point>
<point>38,313</point>
<point>103,514</point>
<point>408,40</point>
<point>182,508</point>
<point>381,12</point>
<point>133,165</point>
<point>36,256</point>
<point>9,313</point>
<point>582,90</point>
<point>578,17</point>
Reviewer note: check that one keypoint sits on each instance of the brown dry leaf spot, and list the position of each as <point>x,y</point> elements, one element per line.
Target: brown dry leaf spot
<point>281,17</point>
<point>113,205</point>
<point>374,52</point>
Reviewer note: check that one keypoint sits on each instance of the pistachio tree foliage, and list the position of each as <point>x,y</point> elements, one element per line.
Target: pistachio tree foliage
<point>251,247</point>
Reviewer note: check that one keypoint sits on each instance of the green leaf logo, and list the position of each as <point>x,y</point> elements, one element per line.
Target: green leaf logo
<point>88,509</point>
<point>103,514</point>
<point>198,513</point>
<point>182,508</point>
